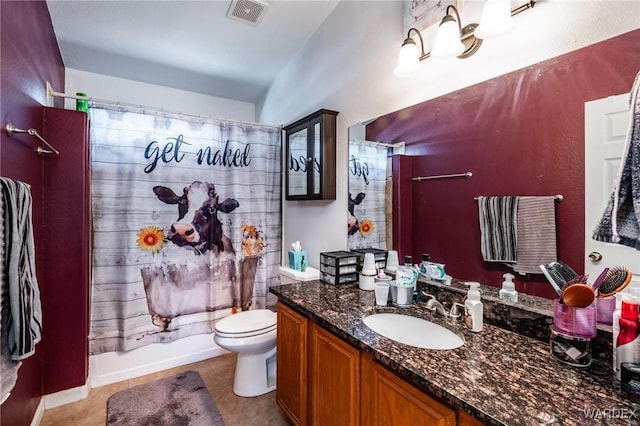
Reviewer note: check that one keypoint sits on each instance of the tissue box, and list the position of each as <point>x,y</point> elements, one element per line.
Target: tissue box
<point>295,258</point>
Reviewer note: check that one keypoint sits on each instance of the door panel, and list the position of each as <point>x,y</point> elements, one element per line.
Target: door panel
<point>606,128</point>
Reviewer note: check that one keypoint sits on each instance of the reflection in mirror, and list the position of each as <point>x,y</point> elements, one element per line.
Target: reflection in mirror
<point>297,183</point>
<point>369,215</point>
<point>317,158</point>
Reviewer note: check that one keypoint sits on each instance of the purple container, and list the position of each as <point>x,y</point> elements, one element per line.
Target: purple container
<point>605,307</point>
<point>579,322</point>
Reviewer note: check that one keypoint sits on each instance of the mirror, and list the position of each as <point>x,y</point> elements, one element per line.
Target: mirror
<point>317,159</point>
<point>370,214</point>
<point>520,134</point>
<point>298,163</point>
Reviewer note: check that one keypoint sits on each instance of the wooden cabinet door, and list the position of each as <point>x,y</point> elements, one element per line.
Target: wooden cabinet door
<point>389,400</point>
<point>465,419</point>
<point>291,373</point>
<point>335,380</point>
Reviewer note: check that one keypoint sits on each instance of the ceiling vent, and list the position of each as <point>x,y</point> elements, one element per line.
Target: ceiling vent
<point>250,11</point>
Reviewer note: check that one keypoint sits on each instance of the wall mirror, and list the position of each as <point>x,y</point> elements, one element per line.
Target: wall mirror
<point>522,134</point>
<point>369,223</point>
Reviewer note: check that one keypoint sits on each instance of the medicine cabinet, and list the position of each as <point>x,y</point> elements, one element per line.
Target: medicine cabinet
<point>311,157</point>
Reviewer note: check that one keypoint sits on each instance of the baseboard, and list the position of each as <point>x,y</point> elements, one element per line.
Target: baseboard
<point>66,396</point>
<point>37,416</point>
<point>113,367</point>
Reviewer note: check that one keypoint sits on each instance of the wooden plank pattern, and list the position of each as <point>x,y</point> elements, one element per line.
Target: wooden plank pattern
<point>131,153</point>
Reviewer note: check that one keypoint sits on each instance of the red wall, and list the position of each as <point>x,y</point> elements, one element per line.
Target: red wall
<point>29,58</point>
<point>520,134</point>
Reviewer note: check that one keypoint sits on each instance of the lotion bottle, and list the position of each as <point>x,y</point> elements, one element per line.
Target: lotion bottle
<point>508,291</point>
<point>634,290</point>
<point>616,329</point>
<point>473,310</point>
<point>628,342</point>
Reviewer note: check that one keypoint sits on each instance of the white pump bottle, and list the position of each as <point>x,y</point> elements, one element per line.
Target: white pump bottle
<point>473,310</point>
<point>508,292</point>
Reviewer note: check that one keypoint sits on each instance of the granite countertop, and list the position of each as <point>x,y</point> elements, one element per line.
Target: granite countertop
<point>498,376</point>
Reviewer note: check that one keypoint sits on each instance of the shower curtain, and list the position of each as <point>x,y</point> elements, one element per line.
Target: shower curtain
<point>368,195</point>
<point>186,224</point>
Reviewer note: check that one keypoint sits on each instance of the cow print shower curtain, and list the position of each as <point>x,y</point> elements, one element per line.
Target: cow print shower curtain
<point>369,195</point>
<point>186,224</point>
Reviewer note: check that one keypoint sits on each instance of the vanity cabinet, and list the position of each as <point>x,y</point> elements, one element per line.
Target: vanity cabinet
<point>334,381</point>
<point>291,370</point>
<point>311,157</point>
<point>392,401</point>
<point>324,381</point>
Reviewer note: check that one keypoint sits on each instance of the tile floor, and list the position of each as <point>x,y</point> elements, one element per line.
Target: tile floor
<point>217,374</point>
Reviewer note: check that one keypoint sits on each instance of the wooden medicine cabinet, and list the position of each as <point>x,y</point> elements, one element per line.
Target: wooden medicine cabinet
<point>310,171</point>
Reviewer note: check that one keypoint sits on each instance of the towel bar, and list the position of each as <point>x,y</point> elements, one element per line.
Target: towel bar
<point>558,197</point>
<point>467,175</point>
<point>11,130</point>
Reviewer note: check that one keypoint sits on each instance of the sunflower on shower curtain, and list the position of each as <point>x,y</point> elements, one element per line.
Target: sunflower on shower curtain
<point>368,195</point>
<point>186,224</point>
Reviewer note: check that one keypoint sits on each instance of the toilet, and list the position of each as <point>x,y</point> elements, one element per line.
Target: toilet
<point>252,335</point>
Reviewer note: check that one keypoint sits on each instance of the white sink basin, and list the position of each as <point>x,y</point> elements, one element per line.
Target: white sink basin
<point>413,331</point>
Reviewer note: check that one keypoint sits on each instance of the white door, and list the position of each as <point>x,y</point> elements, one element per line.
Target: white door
<point>606,127</point>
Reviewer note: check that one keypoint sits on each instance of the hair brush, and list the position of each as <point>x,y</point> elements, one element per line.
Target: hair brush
<point>616,280</point>
<point>558,273</point>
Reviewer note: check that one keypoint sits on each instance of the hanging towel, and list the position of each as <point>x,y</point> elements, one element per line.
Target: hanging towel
<point>8,367</point>
<point>498,226</point>
<point>25,313</point>
<point>536,234</point>
<point>620,222</point>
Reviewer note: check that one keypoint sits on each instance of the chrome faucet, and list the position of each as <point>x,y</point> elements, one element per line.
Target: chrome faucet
<point>434,305</point>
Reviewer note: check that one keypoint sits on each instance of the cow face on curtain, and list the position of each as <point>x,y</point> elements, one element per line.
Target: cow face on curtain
<point>186,224</point>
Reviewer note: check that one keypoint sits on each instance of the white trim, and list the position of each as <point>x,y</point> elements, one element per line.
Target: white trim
<point>66,396</point>
<point>113,367</point>
<point>37,416</point>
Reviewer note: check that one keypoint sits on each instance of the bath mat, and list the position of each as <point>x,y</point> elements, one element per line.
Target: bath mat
<point>178,400</point>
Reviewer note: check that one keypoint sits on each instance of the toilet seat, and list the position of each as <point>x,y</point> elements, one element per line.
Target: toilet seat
<point>246,324</point>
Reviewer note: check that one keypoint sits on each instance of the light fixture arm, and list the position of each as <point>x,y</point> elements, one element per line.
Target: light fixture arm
<point>455,10</point>
<point>423,55</point>
<point>522,8</point>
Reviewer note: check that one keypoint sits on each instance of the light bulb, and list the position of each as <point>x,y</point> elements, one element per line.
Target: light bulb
<point>448,43</point>
<point>495,20</point>
<point>408,58</point>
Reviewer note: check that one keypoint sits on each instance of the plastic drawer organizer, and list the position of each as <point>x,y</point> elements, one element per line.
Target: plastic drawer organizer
<point>338,267</point>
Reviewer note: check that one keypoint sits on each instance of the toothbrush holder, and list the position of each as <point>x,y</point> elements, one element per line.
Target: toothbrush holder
<point>578,322</point>
<point>605,307</point>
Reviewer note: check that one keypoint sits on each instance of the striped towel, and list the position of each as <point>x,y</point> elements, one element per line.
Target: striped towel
<point>8,367</point>
<point>498,224</point>
<point>536,234</point>
<point>24,320</point>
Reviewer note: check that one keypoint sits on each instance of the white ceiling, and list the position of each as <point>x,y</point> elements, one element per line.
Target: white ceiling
<point>188,45</point>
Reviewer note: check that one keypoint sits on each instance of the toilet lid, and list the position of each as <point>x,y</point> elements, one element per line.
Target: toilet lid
<point>256,321</point>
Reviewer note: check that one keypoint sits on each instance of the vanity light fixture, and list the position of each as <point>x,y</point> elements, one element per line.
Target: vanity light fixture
<point>450,36</point>
<point>453,39</point>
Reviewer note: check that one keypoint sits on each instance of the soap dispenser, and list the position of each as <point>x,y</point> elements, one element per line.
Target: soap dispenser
<point>508,292</point>
<point>473,308</point>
